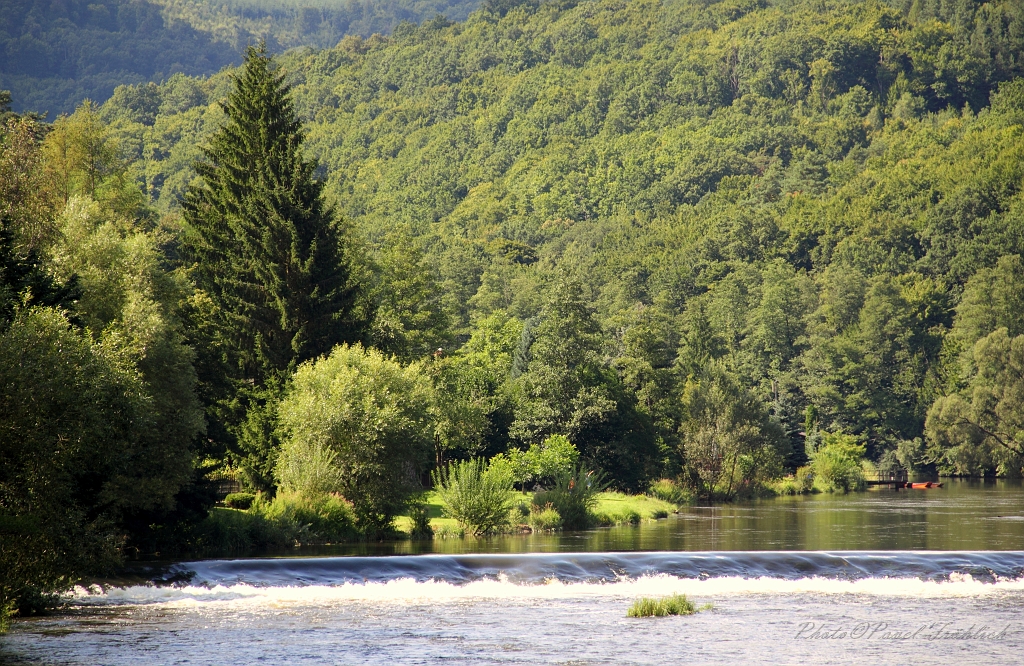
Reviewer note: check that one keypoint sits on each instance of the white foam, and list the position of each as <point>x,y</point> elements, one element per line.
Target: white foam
<point>407,590</point>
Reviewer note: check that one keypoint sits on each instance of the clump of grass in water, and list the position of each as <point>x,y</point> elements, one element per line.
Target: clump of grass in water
<point>677,604</point>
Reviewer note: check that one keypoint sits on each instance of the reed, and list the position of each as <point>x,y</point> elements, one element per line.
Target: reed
<point>677,604</point>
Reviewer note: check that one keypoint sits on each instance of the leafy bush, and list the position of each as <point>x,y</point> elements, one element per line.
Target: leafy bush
<point>670,491</point>
<point>309,470</point>
<point>573,496</point>
<point>800,483</point>
<point>542,462</point>
<point>659,514</point>
<point>239,500</point>
<point>545,518</point>
<point>420,516</point>
<point>805,479</point>
<point>479,497</point>
<point>447,531</point>
<point>356,422</point>
<point>310,521</point>
<point>677,604</point>
<point>837,464</point>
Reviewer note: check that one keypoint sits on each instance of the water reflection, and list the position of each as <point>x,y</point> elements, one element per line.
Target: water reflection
<point>963,515</point>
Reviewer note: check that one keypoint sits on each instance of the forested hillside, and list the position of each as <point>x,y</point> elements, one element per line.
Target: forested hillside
<point>55,54</point>
<point>684,248</point>
<point>797,193</point>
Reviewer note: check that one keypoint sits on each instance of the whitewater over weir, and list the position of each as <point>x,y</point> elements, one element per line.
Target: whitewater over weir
<point>770,606</point>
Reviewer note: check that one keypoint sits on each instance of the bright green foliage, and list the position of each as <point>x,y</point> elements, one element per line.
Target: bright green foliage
<point>836,465</point>
<point>668,490</point>
<point>982,426</point>
<point>544,462</point>
<point>310,520</point>
<point>357,423</point>
<point>130,304</point>
<point>573,496</point>
<point>555,456</point>
<point>544,517</point>
<point>239,500</point>
<point>267,250</point>
<point>477,495</point>
<point>677,604</point>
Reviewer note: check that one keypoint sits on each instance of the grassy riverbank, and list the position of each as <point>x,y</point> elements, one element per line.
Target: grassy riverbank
<point>612,508</point>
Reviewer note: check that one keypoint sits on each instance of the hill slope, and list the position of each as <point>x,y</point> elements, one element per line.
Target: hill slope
<point>55,54</point>
<point>800,190</point>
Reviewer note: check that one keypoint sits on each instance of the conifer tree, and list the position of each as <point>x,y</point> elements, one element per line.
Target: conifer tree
<point>265,246</point>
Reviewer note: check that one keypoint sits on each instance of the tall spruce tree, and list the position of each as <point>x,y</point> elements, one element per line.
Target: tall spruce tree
<point>267,250</point>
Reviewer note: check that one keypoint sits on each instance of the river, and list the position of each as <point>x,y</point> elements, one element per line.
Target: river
<point>876,577</point>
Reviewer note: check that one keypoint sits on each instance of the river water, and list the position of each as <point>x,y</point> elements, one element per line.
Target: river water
<point>877,577</point>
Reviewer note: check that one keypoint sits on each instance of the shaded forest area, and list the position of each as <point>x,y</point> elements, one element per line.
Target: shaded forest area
<point>55,54</point>
<point>691,244</point>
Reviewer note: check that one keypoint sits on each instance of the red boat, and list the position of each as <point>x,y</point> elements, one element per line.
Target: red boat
<point>927,484</point>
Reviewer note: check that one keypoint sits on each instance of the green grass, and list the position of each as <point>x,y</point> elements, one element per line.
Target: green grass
<point>437,519</point>
<point>621,509</point>
<point>677,604</point>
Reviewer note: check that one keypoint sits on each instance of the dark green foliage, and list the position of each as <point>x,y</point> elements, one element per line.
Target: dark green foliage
<point>74,456</point>
<point>24,283</point>
<point>267,250</point>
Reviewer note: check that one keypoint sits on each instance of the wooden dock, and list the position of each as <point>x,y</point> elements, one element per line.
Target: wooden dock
<point>900,479</point>
<point>895,479</point>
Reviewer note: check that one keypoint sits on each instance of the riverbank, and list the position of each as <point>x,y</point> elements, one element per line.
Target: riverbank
<point>612,508</point>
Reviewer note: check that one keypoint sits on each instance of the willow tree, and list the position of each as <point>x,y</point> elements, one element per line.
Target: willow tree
<point>268,252</point>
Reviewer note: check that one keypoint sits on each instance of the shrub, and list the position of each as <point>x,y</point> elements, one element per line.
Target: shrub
<point>239,500</point>
<point>805,479</point>
<point>786,486</point>
<point>545,461</point>
<point>420,516</point>
<point>659,514</point>
<point>677,604</point>
<point>573,496</point>
<point>837,464</point>
<point>479,497</point>
<point>669,491</point>
<point>447,531</point>
<point>545,518</point>
<point>356,422</point>
<point>310,521</point>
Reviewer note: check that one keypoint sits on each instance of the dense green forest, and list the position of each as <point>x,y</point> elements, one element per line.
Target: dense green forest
<point>702,242</point>
<point>55,54</point>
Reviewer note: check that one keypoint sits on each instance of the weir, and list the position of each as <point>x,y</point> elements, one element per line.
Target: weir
<point>602,567</point>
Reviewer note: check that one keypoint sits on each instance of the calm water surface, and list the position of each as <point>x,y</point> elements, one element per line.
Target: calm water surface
<point>877,577</point>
